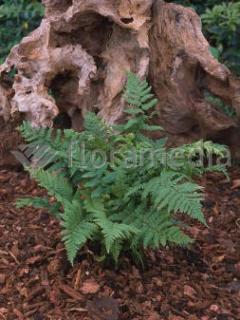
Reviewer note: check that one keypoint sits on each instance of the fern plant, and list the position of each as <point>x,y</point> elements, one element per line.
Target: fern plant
<point>114,187</point>
<point>141,101</point>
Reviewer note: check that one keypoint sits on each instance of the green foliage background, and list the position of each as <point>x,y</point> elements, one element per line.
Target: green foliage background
<point>17,19</point>
<point>221,25</point>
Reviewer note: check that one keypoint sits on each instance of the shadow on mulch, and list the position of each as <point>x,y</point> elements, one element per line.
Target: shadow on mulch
<point>199,283</point>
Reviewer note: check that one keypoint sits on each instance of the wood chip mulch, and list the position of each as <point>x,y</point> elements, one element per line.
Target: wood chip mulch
<point>199,283</point>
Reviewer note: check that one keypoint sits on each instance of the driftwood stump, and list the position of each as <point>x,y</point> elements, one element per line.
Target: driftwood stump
<point>78,58</point>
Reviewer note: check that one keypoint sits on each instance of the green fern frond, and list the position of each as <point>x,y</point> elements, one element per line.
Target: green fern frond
<point>95,125</point>
<point>159,229</point>
<point>171,191</point>
<point>56,185</point>
<point>116,250</point>
<point>138,95</point>
<point>40,203</point>
<point>47,147</point>
<point>220,168</point>
<point>77,229</point>
<point>207,148</point>
<point>40,136</point>
<point>112,232</point>
<point>36,202</point>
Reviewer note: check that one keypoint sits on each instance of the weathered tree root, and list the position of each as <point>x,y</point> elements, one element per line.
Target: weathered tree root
<point>78,58</point>
<point>182,70</point>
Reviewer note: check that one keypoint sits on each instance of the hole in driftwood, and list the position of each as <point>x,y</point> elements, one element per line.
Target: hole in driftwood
<point>127,20</point>
<point>63,85</point>
<point>85,31</point>
<point>62,121</point>
<point>7,78</point>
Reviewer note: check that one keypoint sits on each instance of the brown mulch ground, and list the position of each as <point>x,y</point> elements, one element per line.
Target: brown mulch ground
<point>36,282</point>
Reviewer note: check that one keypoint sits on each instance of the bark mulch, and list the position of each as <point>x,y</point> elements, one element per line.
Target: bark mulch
<point>199,283</point>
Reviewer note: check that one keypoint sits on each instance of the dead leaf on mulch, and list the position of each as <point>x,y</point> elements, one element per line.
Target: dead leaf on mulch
<point>54,296</point>
<point>235,184</point>
<point>18,314</point>
<point>154,316</point>
<point>70,291</point>
<point>105,308</point>
<point>90,287</point>
<point>53,266</point>
<point>214,308</point>
<point>189,292</point>
<point>3,312</point>
<point>34,260</point>
<point>2,278</point>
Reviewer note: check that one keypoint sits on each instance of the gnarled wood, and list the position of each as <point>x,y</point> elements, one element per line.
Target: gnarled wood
<point>182,69</point>
<point>78,58</point>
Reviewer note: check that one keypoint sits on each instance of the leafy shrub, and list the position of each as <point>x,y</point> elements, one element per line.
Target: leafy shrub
<point>222,27</point>
<point>115,187</point>
<point>17,19</point>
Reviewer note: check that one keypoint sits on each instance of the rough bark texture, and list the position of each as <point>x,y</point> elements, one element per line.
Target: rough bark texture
<point>78,58</point>
<point>182,70</point>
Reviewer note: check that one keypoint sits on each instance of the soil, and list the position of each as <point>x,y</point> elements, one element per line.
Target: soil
<point>198,283</point>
